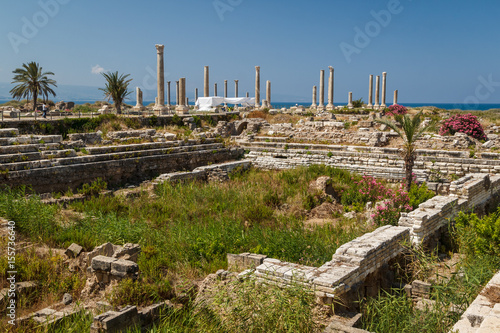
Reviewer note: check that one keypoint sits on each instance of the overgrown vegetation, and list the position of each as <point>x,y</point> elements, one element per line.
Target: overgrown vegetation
<point>478,243</point>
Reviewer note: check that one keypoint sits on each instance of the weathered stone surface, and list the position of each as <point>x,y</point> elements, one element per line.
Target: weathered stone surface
<point>123,268</point>
<point>116,321</point>
<point>73,250</point>
<point>67,299</point>
<point>102,263</point>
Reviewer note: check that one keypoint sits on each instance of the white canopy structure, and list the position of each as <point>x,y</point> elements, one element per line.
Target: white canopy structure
<point>207,103</point>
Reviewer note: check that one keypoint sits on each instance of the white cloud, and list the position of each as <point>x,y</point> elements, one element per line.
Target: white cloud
<point>97,69</point>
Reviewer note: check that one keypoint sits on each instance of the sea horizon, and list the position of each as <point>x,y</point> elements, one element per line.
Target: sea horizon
<point>279,105</point>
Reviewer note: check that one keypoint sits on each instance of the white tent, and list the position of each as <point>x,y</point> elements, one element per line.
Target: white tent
<point>207,103</point>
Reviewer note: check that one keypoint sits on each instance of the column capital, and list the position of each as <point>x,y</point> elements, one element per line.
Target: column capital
<point>236,81</point>
<point>330,68</point>
<point>159,48</point>
<point>257,68</point>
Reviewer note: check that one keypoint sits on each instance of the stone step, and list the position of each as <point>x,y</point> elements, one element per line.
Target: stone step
<point>68,157</point>
<point>30,148</point>
<point>32,139</point>
<point>145,146</point>
<point>8,132</point>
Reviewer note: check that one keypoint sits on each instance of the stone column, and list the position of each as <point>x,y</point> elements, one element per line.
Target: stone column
<point>138,106</point>
<point>377,93</point>
<point>248,94</point>
<point>268,93</point>
<point>370,93</point>
<point>257,86</point>
<point>330,105</point>
<point>235,88</point>
<point>206,87</point>
<point>182,108</point>
<point>314,104</point>
<point>384,82</point>
<point>196,95</point>
<point>321,105</point>
<point>395,97</point>
<point>225,88</point>
<point>215,89</point>
<point>160,70</point>
<point>168,94</point>
<point>177,93</point>
<point>350,106</point>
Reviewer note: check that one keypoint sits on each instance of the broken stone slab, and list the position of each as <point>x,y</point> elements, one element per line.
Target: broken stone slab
<point>116,321</point>
<point>152,313</point>
<point>106,249</point>
<point>102,263</point>
<point>128,251</point>
<point>122,267</point>
<point>73,250</point>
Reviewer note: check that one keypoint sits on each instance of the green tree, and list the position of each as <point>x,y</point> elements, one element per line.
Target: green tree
<point>409,129</point>
<point>32,82</point>
<point>116,88</point>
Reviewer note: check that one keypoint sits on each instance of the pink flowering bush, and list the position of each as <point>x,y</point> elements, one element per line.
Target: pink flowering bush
<point>396,109</point>
<point>391,202</point>
<point>389,211</point>
<point>464,123</point>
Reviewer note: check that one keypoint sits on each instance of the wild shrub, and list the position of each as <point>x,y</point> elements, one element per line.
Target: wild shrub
<point>396,109</point>
<point>464,123</point>
<point>94,188</point>
<point>480,236</point>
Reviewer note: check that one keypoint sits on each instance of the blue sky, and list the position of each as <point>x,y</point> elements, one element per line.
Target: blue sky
<point>433,51</point>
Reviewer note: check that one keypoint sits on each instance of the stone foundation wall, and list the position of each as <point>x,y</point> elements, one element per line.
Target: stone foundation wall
<point>114,172</point>
<point>375,161</point>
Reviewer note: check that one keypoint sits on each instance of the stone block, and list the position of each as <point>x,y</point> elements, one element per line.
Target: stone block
<point>102,263</point>
<point>123,268</point>
<point>152,313</point>
<point>73,250</point>
<point>116,321</point>
<point>421,289</point>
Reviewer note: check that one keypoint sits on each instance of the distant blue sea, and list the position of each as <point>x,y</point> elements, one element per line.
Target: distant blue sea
<point>279,105</point>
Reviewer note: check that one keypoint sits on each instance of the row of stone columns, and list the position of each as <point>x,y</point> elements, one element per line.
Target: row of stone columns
<point>377,104</point>
<point>321,106</point>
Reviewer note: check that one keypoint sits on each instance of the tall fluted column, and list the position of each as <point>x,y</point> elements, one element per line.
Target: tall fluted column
<point>370,93</point>
<point>257,86</point>
<point>321,104</point>
<point>395,97</point>
<point>248,94</point>
<point>225,88</point>
<point>196,95</point>
<point>330,105</point>
<point>215,89</point>
<point>268,93</point>
<point>384,83</point>
<point>160,71</point>
<point>314,104</point>
<point>377,93</point>
<point>206,87</point>
<point>350,106</point>
<point>235,88</point>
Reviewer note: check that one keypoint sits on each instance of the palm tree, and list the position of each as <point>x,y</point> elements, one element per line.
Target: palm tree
<point>116,88</point>
<point>410,130</point>
<point>32,82</point>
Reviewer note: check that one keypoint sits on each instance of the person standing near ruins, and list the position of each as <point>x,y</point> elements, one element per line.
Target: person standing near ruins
<point>44,110</point>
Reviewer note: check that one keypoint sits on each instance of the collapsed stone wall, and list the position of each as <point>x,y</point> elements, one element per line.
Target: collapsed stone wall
<point>362,263</point>
<point>476,192</point>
